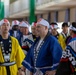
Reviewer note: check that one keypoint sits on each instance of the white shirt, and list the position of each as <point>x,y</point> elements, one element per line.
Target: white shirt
<point>39,43</point>
<point>15,33</point>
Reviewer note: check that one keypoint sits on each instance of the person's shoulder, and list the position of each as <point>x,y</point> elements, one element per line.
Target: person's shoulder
<point>10,30</point>
<point>19,31</point>
<point>72,44</point>
<point>61,36</point>
<point>52,38</point>
<point>73,39</point>
<point>30,35</point>
<point>53,41</point>
<point>13,38</point>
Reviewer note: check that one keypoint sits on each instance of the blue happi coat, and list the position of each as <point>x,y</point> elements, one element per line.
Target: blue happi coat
<point>48,56</point>
<point>68,59</point>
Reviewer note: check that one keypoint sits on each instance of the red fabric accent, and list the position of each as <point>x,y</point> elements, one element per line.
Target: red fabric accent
<point>34,24</point>
<point>72,69</point>
<point>74,35</point>
<point>64,60</point>
<point>25,47</point>
<point>5,20</point>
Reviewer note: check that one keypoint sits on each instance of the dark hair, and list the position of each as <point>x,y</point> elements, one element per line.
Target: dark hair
<point>74,25</point>
<point>65,24</point>
<point>53,23</point>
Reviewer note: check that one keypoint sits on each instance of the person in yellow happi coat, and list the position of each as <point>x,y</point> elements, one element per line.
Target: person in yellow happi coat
<point>11,54</point>
<point>57,35</point>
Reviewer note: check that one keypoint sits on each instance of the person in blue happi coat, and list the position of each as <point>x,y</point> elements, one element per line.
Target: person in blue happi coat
<point>67,65</point>
<point>45,54</point>
<point>15,31</point>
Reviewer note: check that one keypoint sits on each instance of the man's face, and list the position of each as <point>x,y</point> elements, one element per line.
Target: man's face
<point>65,29</point>
<point>40,29</point>
<point>15,27</point>
<point>54,31</point>
<point>24,30</point>
<point>5,28</point>
<point>33,29</point>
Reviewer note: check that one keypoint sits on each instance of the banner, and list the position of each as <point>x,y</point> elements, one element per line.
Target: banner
<point>32,11</point>
<point>1,10</point>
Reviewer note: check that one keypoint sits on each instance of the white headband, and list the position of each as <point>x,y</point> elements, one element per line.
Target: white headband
<point>4,21</point>
<point>15,22</point>
<point>23,24</point>
<point>54,26</point>
<point>43,22</point>
<point>72,28</point>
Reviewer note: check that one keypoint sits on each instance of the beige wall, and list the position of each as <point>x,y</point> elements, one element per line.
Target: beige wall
<point>45,16</point>
<point>38,16</point>
<point>72,14</point>
<point>61,16</point>
<point>52,16</point>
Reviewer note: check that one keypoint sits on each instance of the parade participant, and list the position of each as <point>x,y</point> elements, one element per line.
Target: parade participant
<point>24,28</point>
<point>11,54</point>
<point>65,32</point>
<point>68,39</point>
<point>27,39</point>
<point>57,35</point>
<point>67,64</point>
<point>45,53</point>
<point>34,32</point>
<point>15,31</point>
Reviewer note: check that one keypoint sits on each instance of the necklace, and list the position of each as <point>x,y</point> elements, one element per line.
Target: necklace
<point>6,53</point>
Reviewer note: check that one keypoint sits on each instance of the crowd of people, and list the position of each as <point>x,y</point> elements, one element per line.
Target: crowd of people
<point>44,51</point>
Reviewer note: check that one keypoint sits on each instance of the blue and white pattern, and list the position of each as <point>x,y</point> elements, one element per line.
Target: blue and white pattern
<point>46,58</point>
